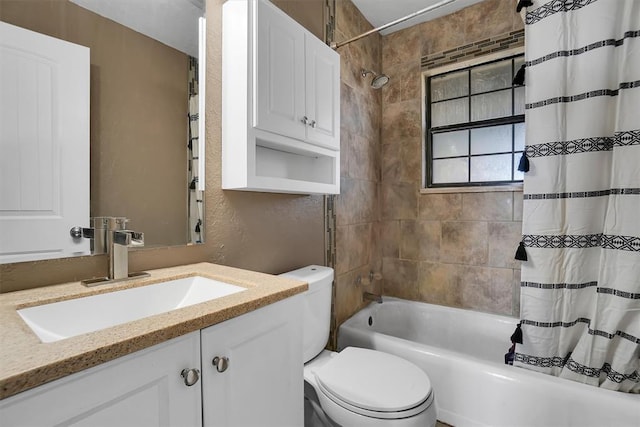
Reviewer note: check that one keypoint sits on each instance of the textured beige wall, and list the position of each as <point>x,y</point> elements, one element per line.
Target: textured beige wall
<point>451,249</point>
<point>309,13</point>
<point>262,232</point>
<point>138,116</point>
<point>357,206</point>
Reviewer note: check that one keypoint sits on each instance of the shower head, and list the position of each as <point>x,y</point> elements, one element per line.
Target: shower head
<point>378,81</point>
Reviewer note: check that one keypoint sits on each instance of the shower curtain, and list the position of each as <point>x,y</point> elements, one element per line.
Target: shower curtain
<point>195,195</point>
<point>580,289</point>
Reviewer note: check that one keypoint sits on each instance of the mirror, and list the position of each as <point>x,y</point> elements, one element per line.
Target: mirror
<point>144,107</point>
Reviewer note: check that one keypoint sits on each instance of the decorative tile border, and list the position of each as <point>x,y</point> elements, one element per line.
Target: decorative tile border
<point>483,47</point>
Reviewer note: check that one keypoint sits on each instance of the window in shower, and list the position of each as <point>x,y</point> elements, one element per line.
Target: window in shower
<point>474,125</point>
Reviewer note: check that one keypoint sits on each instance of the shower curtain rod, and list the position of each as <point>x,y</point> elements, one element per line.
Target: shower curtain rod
<point>335,45</point>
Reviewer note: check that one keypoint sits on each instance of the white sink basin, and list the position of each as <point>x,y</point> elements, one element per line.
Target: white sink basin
<point>65,319</point>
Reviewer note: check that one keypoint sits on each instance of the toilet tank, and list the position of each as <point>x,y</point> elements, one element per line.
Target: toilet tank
<point>317,307</point>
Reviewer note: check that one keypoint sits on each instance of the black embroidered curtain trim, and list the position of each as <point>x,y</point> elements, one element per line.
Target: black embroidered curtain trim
<point>559,362</point>
<point>584,145</point>
<point>582,96</point>
<point>587,322</point>
<point>553,7</point>
<point>580,286</point>
<point>548,286</point>
<point>624,243</point>
<point>583,194</point>
<point>618,293</point>
<point>584,49</point>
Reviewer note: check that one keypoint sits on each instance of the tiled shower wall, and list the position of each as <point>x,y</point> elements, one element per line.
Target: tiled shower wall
<point>356,208</point>
<point>452,249</point>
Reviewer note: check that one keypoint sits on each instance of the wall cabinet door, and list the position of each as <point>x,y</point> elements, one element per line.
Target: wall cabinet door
<point>142,389</point>
<point>262,382</point>
<point>322,94</point>
<point>297,80</point>
<point>279,73</point>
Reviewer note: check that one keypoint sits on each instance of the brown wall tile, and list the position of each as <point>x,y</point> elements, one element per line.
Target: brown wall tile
<point>400,278</point>
<point>487,289</point>
<point>517,205</point>
<point>439,284</point>
<point>399,201</point>
<point>459,238</point>
<point>464,242</point>
<point>503,242</point>
<point>401,120</point>
<point>497,206</point>
<point>359,233</point>
<point>390,236</point>
<point>440,206</point>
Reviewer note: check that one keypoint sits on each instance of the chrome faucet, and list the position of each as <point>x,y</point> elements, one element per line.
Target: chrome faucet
<point>372,297</point>
<point>121,241</point>
<point>109,235</point>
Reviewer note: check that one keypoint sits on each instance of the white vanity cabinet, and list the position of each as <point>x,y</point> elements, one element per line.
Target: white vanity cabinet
<point>261,383</point>
<point>141,389</point>
<point>258,378</point>
<point>281,103</point>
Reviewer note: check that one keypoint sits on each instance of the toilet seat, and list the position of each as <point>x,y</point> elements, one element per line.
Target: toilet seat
<point>375,384</point>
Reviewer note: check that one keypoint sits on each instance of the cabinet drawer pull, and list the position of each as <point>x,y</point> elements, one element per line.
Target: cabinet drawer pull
<point>191,376</point>
<point>221,363</point>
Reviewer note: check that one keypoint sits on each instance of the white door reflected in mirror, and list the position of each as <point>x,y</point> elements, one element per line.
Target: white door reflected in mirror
<point>44,145</point>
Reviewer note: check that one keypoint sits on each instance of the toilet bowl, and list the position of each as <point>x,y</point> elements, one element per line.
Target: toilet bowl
<point>362,387</point>
<point>356,387</point>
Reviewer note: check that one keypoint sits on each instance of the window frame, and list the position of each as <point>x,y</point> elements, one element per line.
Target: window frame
<point>427,158</point>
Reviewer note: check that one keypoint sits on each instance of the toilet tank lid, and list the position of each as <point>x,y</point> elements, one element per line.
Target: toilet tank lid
<point>310,274</point>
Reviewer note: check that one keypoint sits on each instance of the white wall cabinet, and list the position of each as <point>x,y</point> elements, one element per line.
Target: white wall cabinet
<point>281,103</point>
<point>261,385</point>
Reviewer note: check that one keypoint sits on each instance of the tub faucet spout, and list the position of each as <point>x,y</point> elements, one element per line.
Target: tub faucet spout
<point>372,297</point>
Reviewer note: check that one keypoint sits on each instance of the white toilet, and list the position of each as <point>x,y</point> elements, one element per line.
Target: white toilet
<point>356,387</point>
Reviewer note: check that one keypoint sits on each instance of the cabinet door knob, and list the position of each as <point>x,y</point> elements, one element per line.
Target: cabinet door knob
<point>191,376</point>
<point>305,120</point>
<point>221,363</point>
<point>312,124</point>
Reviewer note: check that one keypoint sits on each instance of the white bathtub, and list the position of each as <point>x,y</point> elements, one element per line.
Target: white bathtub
<point>462,351</point>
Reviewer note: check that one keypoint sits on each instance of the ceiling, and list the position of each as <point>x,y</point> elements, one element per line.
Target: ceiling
<point>172,22</point>
<point>380,12</point>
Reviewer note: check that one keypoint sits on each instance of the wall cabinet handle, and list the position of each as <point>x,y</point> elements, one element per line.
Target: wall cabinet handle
<point>221,363</point>
<point>305,120</point>
<point>312,124</point>
<point>190,376</point>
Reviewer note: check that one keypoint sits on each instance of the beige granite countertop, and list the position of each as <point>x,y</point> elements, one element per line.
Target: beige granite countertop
<point>25,362</point>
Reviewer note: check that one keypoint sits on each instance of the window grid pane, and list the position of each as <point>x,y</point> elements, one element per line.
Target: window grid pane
<point>493,129</point>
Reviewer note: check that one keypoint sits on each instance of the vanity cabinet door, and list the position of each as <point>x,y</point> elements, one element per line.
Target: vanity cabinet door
<point>142,389</point>
<point>258,377</point>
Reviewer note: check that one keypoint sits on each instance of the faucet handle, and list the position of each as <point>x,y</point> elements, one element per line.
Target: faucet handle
<point>128,238</point>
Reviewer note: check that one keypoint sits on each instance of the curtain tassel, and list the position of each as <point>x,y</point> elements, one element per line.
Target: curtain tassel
<point>517,335</point>
<point>523,3</point>
<point>523,166</point>
<point>518,79</point>
<point>521,253</point>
